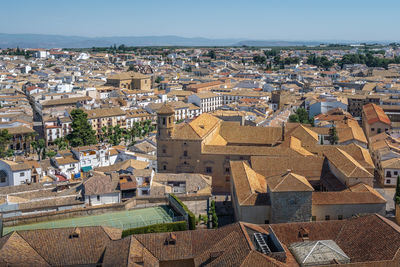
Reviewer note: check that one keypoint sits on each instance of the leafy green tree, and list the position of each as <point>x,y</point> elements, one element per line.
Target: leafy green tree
<point>303,115</point>
<point>158,79</point>
<point>61,143</point>
<point>82,133</point>
<point>211,54</point>
<point>51,153</point>
<point>214,217</point>
<point>40,148</point>
<point>333,137</point>
<point>5,139</point>
<point>294,118</point>
<point>259,59</point>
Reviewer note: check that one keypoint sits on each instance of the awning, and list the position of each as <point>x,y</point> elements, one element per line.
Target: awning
<point>87,168</point>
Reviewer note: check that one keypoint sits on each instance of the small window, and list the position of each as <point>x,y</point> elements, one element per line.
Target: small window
<point>164,121</point>
<point>164,151</point>
<point>395,173</point>
<point>314,218</point>
<point>208,170</point>
<point>227,178</point>
<point>227,169</point>
<point>185,153</point>
<point>22,174</point>
<point>372,129</point>
<point>266,221</point>
<point>340,217</point>
<point>388,174</point>
<point>164,167</point>
<point>98,197</point>
<point>379,130</point>
<point>327,218</point>
<point>388,181</point>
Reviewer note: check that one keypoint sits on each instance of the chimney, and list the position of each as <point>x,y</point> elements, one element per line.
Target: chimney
<point>171,239</point>
<point>75,233</point>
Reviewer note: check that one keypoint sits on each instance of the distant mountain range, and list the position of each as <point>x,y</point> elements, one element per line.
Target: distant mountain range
<point>62,41</point>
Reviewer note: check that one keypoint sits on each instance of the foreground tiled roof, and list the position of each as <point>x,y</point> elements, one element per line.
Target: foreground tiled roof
<point>367,241</point>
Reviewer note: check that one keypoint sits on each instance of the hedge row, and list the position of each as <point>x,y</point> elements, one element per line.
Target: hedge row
<point>192,218</point>
<point>156,228</point>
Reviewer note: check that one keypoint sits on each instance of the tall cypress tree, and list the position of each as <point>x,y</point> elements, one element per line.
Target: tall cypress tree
<point>82,133</point>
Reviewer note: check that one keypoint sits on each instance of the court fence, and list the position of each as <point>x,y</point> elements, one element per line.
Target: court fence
<point>151,222</point>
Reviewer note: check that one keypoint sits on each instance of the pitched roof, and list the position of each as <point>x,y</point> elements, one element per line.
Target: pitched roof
<point>100,184</point>
<point>166,109</point>
<point>250,187</point>
<point>347,164</point>
<point>374,113</point>
<point>236,134</point>
<point>58,248</point>
<point>393,163</point>
<point>289,182</point>
<point>203,124</point>
<point>346,197</point>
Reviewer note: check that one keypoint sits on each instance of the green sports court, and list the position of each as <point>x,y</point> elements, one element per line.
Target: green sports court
<point>121,219</point>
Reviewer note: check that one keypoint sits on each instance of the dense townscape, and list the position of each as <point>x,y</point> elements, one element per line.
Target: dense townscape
<point>200,156</point>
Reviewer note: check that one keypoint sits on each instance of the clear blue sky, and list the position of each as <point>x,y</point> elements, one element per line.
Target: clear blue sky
<point>252,19</point>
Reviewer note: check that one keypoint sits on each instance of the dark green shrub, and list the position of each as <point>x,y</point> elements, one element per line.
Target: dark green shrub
<point>156,228</point>
<point>192,218</point>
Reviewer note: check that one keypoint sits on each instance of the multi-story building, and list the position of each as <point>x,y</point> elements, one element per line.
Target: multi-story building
<point>374,120</point>
<point>130,80</point>
<point>206,101</point>
<point>106,117</point>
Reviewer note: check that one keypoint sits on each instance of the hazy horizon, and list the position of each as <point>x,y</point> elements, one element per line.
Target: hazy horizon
<point>288,20</point>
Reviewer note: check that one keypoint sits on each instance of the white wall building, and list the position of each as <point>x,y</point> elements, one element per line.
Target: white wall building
<point>206,101</point>
<point>13,173</point>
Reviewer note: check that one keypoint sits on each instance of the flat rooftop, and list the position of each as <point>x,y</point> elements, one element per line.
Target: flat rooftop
<point>121,219</point>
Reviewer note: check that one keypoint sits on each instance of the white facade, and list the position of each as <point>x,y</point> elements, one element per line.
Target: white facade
<point>11,175</point>
<point>103,199</point>
<point>95,157</point>
<point>207,102</point>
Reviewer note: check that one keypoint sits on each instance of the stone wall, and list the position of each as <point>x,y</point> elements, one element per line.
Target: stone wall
<point>290,207</point>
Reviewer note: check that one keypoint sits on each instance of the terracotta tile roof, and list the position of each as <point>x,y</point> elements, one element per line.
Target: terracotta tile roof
<point>290,182</point>
<point>128,76</point>
<point>124,165</point>
<point>166,109</point>
<point>65,101</point>
<point>17,166</point>
<point>347,164</point>
<point>236,134</point>
<point>184,131</point>
<point>20,130</point>
<point>15,251</point>
<point>58,246</point>
<point>278,164</point>
<point>250,187</point>
<point>374,113</point>
<point>100,184</point>
<point>104,112</point>
<point>391,163</point>
<point>66,160</point>
<point>346,197</point>
<point>203,124</point>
